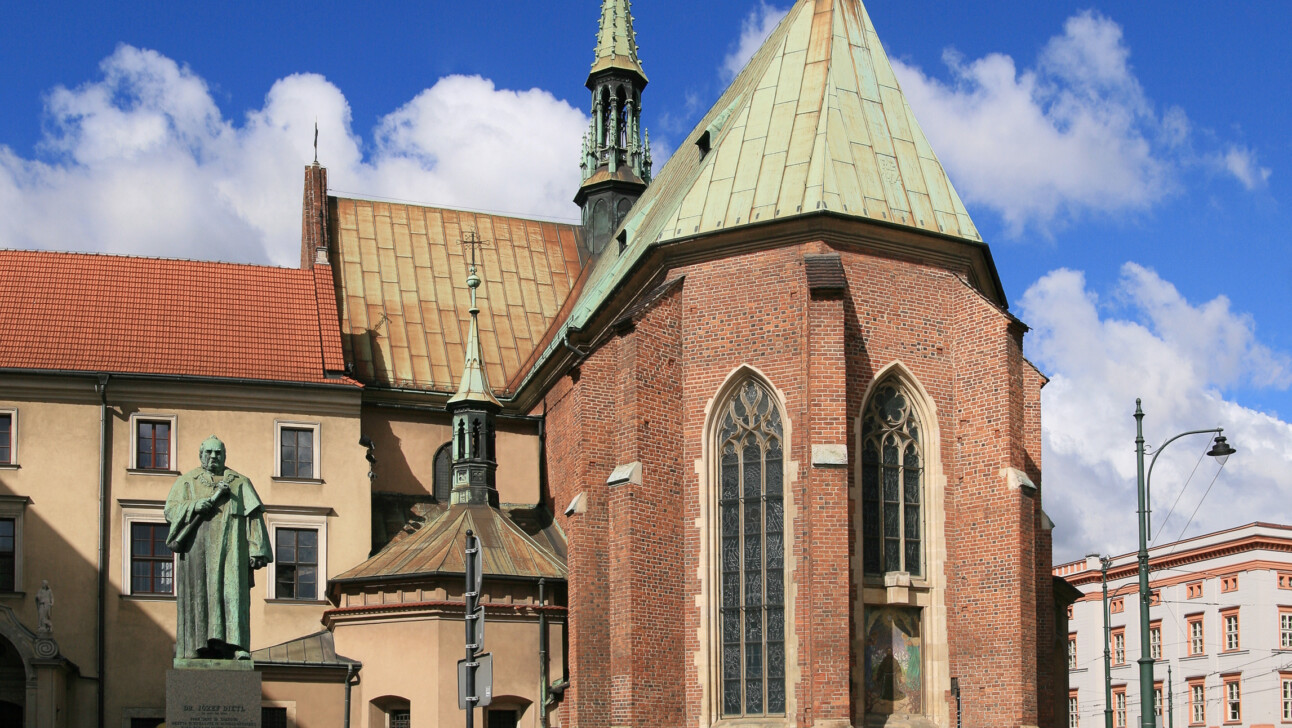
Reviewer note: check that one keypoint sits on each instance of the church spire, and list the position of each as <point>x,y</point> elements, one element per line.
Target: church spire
<point>616,41</point>
<point>473,408</point>
<point>616,164</point>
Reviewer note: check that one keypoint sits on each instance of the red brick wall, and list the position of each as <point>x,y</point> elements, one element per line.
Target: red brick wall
<point>641,396</point>
<point>313,214</point>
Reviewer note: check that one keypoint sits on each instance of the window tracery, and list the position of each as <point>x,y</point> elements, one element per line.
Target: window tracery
<point>891,484</point>
<point>752,547</point>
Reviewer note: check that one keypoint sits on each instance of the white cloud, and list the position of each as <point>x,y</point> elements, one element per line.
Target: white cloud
<point>1241,163</point>
<point>1072,135</point>
<point>1143,339</point>
<point>754,29</point>
<point>143,161</point>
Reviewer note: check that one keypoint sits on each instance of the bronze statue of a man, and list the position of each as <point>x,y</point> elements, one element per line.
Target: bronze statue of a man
<point>217,529</point>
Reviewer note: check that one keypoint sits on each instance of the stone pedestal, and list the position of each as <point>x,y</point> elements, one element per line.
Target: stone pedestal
<point>213,694</point>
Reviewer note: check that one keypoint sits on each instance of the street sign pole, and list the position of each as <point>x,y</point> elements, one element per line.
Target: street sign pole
<point>475,671</point>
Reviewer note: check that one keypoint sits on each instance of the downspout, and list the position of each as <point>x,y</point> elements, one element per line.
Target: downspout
<point>543,685</point>
<point>351,672</point>
<point>101,631</point>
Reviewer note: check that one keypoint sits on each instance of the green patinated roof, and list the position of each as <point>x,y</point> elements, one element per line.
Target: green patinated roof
<point>616,40</point>
<point>816,121</point>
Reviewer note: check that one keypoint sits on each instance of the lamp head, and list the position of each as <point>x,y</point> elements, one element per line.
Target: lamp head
<point>1221,450</point>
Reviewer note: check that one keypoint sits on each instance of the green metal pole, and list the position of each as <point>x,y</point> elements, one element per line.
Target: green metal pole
<point>1104,563</point>
<point>1146,713</point>
<point>1170,699</point>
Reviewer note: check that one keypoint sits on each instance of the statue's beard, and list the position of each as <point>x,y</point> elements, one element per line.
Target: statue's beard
<point>214,468</point>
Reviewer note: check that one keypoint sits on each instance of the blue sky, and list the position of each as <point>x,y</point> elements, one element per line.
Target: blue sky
<point>1127,162</point>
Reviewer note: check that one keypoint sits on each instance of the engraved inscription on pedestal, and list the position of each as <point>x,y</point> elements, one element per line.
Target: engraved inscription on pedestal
<point>212,699</point>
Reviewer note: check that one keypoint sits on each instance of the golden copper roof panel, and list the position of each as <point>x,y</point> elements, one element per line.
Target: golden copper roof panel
<point>404,319</point>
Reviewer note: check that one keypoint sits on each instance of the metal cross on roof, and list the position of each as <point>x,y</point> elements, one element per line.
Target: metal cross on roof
<point>473,242</point>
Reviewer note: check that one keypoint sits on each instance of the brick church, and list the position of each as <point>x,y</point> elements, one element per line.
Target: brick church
<point>753,445</point>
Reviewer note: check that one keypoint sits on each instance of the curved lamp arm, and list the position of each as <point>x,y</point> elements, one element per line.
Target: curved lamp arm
<point>1148,479</point>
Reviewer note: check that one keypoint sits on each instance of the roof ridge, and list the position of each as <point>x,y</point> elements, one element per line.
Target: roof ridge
<point>135,256</point>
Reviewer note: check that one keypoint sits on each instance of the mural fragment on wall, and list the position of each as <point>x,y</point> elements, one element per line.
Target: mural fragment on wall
<point>894,655</point>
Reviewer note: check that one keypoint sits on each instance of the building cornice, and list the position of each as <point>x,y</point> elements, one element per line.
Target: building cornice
<point>433,609</point>
<point>1254,542</point>
<point>181,392</point>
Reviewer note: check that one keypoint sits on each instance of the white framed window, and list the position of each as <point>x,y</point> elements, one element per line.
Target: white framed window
<point>1119,647</point>
<point>1231,631</point>
<point>296,450</point>
<point>1074,712</point>
<point>1285,689</point>
<point>147,565</point>
<point>8,437</point>
<point>1233,701</point>
<point>1196,644</point>
<point>1285,628</point>
<point>299,570</point>
<point>1157,700</point>
<point>152,442</point>
<point>1155,641</point>
<point>12,510</point>
<point>1119,709</point>
<point>1072,652</point>
<point>1197,703</point>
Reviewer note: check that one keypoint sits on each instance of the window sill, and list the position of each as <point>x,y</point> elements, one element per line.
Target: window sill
<point>148,597</point>
<point>13,595</point>
<point>10,466</point>
<point>150,471</point>
<point>1234,652</point>
<point>300,602</point>
<point>1078,669</point>
<point>311,481</point>
<point>1203,656</point>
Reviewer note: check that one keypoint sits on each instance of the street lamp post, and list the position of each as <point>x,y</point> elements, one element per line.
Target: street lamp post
<point>1220,450</point>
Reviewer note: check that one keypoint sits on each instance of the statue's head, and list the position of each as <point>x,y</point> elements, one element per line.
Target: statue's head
<point>211,453</point>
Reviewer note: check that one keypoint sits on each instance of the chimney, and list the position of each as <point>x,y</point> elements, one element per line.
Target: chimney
<point>314,217</point>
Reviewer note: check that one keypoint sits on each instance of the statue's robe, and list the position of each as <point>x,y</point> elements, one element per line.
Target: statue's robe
<point>213,579</point>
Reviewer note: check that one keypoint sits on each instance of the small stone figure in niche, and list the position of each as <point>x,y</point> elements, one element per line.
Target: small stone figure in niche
<point>217,529</point>
<point>44,605</point>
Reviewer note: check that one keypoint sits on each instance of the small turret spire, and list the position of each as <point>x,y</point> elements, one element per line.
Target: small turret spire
<point>615,163</point>
<point>473,409</point>
<point>474,385</point>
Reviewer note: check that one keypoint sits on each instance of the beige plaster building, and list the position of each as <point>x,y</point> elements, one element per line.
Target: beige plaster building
<point>114,370</point>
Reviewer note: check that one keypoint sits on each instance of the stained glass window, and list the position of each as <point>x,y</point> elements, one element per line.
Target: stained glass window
<point>891,484</point>
<point>752,567</point>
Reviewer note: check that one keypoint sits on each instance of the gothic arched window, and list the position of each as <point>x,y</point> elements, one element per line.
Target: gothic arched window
<point>751,511</point>
<point>891,484</point>
<point>442,477</point>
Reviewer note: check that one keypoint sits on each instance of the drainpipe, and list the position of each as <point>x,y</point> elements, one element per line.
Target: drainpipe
<point>542,654</point>
<point>101,388</point>
<point>351,672</point>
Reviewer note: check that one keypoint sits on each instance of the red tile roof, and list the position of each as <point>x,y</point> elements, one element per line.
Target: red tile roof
<point>121,314</point>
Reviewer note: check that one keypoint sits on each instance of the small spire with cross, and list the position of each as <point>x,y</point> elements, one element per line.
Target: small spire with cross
<point>475,384</point>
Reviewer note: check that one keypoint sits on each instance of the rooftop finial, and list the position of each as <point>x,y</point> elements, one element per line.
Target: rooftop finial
<point>316,141</point>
